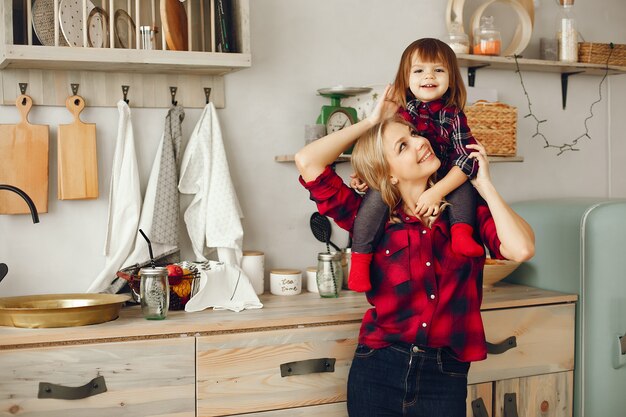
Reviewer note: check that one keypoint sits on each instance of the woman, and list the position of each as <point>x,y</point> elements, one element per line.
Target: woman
<point>416,343</point>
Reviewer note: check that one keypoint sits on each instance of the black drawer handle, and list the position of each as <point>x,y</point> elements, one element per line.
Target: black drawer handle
<point>309,366</point>
<point>478,408</point>
<point>498,348</point>
<point>510,405</point>
<point>60,392</point>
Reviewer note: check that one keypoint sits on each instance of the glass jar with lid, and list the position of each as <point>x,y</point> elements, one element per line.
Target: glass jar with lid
<point>458,40</point>
<point>487,40</point>
<point>329,274</point>
<point>154,293</point>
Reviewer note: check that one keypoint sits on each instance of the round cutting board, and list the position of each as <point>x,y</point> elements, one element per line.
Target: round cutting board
<point>174,20</point>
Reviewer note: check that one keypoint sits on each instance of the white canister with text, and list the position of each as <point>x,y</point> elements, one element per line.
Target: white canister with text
<point>285,281</point>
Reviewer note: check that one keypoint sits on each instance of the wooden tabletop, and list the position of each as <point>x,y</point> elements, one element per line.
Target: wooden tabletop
<point>306,309</point>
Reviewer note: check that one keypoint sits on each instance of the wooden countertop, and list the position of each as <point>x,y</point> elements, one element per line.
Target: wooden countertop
<point>306,309</point>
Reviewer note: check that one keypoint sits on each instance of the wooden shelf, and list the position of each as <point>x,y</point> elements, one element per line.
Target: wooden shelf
<point>126,60</point>
<point>100,72</point>
<point>508,63</point>
<point>346,158</point>
<point>476,62</point>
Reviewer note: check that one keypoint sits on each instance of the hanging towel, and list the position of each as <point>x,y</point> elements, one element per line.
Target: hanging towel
<point>159,215</point>
<point>223,287</point>
<point>213,218</point>
<point>124,202</point>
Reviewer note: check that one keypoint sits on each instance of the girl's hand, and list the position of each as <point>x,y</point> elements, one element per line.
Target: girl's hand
<point>483,177</point>
<point>385,108</point>
<point>357,184</point>
<point>429,203</point>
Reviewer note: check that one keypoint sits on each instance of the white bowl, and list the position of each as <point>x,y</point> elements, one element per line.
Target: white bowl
<point>496,270</point>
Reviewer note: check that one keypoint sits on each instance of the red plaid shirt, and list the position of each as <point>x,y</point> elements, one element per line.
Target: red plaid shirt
<point>447,130</point>
<point>422,292</point>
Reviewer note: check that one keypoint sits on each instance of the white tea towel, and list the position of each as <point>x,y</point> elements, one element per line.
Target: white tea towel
<point>223,287</point>
<point>124,201</point>
<point>154,216</point>
<point>213,218</point>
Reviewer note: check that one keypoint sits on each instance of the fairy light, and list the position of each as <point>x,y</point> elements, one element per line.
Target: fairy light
<point>571,146</point>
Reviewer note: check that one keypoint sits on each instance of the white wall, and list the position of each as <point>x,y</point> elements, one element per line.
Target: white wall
<point>299,46</point>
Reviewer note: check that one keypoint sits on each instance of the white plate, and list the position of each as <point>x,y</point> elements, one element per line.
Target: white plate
<point>43,23</point>
<point>71,21</point>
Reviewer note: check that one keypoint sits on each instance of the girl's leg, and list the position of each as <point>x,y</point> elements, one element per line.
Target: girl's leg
<point>462,219</point>
<point>369,225</point>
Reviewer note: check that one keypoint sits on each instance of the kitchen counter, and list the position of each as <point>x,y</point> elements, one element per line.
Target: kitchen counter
<point>291,357</point>
<point>306,309</point>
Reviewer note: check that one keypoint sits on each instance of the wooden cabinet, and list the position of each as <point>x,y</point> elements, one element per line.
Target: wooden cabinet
<point>290,358</point>
<point>50,69</point>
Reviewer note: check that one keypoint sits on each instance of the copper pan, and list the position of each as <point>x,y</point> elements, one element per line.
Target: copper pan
<point>60,310</point>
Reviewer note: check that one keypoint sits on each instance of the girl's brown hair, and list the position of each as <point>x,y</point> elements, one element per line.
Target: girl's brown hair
<point>430,50</point>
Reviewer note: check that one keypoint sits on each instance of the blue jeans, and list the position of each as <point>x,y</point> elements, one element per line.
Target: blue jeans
<point>406,380</point>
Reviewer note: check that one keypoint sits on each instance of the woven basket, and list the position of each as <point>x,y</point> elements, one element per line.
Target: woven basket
<point>598,53</point>
<point>494,125</point>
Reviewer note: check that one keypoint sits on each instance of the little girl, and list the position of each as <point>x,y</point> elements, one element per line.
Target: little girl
<point>429,89</point>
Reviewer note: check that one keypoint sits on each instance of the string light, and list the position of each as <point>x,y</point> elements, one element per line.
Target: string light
<point>571,146</point>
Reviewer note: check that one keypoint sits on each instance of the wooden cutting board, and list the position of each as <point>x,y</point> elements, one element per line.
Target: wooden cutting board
<point>174,20</point>
<point>24,162</point>
<point>77,157</point>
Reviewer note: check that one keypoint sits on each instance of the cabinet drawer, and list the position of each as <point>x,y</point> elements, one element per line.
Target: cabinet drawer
<point>544,337</point>
<point>142,378</point>
<point>241,373</point>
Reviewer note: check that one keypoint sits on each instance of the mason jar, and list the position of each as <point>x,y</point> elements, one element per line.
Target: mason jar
<point>154,293</point>
<point>329,274</point>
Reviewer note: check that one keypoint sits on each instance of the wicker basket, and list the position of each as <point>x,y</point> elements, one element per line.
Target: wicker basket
<point>494,125</point>
<point>598,53</point>
<point>181,288</point>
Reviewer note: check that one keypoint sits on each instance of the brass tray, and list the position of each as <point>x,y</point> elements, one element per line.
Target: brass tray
<point>60,310</point>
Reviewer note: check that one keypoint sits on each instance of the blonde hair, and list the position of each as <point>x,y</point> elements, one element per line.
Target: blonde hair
<point>371,166</point>
<point>430,50</point>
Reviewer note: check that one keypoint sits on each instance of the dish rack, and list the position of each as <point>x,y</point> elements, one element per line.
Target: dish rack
<point>182,288</point>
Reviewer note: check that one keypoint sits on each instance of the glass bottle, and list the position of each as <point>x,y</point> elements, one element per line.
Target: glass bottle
<point>487,40</point>
<point>329,274</point>
<point>567,32</point>
<point>154,293</point>
<point>458,40</point>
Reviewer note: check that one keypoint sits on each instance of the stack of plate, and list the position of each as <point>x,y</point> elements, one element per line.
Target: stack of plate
<point>70,23</point>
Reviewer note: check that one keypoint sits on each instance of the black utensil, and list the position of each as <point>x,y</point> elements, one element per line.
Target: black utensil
<point>4,270</point>
<point>321,228</point>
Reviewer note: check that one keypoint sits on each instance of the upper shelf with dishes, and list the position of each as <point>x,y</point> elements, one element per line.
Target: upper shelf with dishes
<point>206,37</point>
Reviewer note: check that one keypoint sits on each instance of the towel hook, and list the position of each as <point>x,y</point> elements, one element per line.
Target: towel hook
<point>173,93</point>
<point>23,87</point>
<point>75,89</point>
<point>125,89</point>
<point>207,94</point>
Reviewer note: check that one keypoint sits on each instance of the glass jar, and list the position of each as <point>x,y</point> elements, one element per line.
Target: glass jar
<point>487,40</point>
<point>567,32</point>
<point>154,293</point>
<point>329,274</point>
<point>458,41</point>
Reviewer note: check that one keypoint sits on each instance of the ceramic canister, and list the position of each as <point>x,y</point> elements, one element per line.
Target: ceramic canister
<point>311,279</point>
<point>253,265</point>
<point>285,281</point>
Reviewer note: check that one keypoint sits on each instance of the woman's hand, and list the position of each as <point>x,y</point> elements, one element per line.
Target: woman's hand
<point>483,177</point>
<point>385,108</point>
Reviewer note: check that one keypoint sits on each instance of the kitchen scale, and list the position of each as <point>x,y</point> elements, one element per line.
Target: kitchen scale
<point>335,116</point>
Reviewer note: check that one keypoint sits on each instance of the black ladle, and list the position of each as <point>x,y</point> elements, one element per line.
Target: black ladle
<point>321,228</point>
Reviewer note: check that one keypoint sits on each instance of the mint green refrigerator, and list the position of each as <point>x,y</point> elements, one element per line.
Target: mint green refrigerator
<point>581,249</point>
